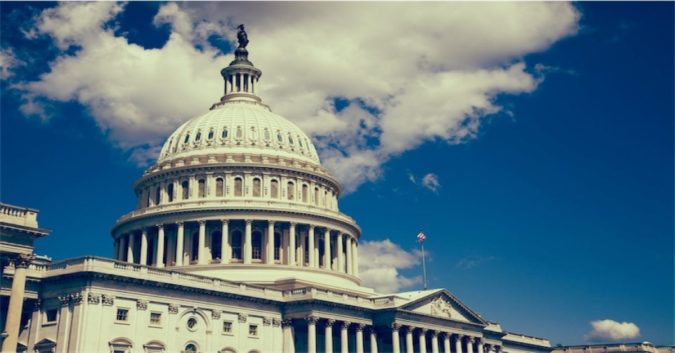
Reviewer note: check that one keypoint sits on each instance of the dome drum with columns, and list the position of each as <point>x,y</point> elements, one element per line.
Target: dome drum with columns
<point>241,188</point>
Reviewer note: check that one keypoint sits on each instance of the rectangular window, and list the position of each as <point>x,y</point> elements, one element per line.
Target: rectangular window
<point>227,327</point>
<point>122,314</point>
<point>51,315</point>
<point>155,318</point>
<point>253,330</point>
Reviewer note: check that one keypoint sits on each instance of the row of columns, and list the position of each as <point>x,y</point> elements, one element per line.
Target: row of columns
<point>328,325</point>
<point>446,337</point>
<point>339,252</point>
<point>239,82</point>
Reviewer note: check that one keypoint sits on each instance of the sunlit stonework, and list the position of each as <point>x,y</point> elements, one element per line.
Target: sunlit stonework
<point>237,244</point>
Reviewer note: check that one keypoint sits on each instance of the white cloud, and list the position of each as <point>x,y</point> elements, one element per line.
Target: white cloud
<point>430,181</point>
<point>8,61</point>
<point>612,330</point>
<point>379,265</point>
<point>432,76</point>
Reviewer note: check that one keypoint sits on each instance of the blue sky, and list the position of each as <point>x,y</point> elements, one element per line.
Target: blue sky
<point>557,210</point>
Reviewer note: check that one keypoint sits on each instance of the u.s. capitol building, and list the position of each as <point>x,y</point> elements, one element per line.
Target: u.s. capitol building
<point>237,244</point>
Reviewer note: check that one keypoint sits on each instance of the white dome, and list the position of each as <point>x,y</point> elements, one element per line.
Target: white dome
<point>239,127</point>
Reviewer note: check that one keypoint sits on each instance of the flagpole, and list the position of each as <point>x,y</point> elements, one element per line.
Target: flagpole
<point>424,266</point>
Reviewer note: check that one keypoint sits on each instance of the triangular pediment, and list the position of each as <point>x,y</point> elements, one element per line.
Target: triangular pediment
<point>443,304</point>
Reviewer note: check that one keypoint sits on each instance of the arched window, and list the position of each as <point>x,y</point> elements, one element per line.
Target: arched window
<point>202,187</point>
<point>236,245</point>
<point>154,347</point>
<point>274,189</point>
<point>290,138</point>
<point>256,187</point>
<point>187,138</point>
<point>198,136</point>
<point>277,246</point>
<point>148,199</point>
<point>158,195</point>
<point>216,246</point>
<point>169,192</point>
<point>210,137</point>
<point>190,348</point>
<point>304,192</point>
<point>223,135</point>
<point>279,137</point>
<point>316,196</point>
<point>185,188</point>
<point>238,187</point>
<point>220,190</point>
<point>120,345</point>
<point>256,242</point>
<point>291,190</point>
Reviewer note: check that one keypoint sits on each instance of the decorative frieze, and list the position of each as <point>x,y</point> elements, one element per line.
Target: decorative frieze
<point>276,322</point>
<point>173,309</point>
<point>93,298</point>
<point>70,298</point>
<point>107,300</point>
<point>142,304</point>
<point>287,323</point>
<point>242,317</point>
<point>266,321</point>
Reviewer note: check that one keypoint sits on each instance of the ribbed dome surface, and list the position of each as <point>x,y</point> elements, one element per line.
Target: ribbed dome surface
<point>239,127</point>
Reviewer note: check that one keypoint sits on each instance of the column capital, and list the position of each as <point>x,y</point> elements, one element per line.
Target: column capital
<point>360,327</point>
<point>478,339</point>
<point>248,221</point>
<point>345,325</point>
<point>422,331</point>
<point>159,226</point>
<point>311,226</point>
<point>22,260</point>
<point>293,224</point>
<point>330,322</point>
<point>225,220</point>
<point>286,323</point>
<point>271,222</point>
<point>435,334</point>
<point>311,319</point>
<point>180,223</point>
<point>395,326</point>
<point>201,222</point>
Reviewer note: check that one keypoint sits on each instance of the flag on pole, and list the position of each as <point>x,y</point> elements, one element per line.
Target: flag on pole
<point>421,237</point>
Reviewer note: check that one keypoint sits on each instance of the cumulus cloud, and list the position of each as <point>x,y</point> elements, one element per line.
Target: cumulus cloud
<point>611,330</point>
<point>432,76</point>
<point>8,61</point>
<point>379,265</point>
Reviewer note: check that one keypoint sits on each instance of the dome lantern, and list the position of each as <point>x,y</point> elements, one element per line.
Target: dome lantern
<point>240,77</point>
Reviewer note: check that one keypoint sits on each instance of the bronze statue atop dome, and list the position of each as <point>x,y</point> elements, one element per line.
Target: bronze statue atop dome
<point>242,37</point>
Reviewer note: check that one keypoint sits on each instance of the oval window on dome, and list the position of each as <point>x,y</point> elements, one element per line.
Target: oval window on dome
<point>187,138</point>
<point>198,136</point>
<point>279,137</point>
<point>223,135</point>
<point>290,138</point>
<point>300,141</point>
<point>210,137</point>
<point>240,132</point>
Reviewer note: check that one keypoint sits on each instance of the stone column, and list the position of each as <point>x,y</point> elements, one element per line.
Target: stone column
<point>130,247</point>
<point>446,343</point>
<point>422,340</point>
<point>395,339</point>
<point>340,255</point>
<point>434,342</point>
<point>159,261</point>
<point>344,337</point>
<point>226,248</point>
<point>144,247</point>
<point>13,319</point>
<point>373,340</point>
<point>479,345</point>
<point>311,334</point>
<point>179,243</point>
<point>409,340</point>
<point>269,252</point>
<point>201,244</point>
<point>359,338</point>
<point>326,250</point>
<point>310,245</point>
<point>348,244</point>
<point>458,344</point>
<point>291,244</point>
<point>469,344</point>
<point>328,333</point>
<point>355,257</point>
<point>287,332</point>
<point>248,247</point>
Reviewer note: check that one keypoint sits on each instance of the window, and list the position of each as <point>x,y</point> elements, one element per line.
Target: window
<point>154,347</point>
<point>300,141</point>
<point>158,195</point>
<point>202,187</point>
<point>45,346</point>
<point>223,135</point>
<point>155,318</point>
<point>210,137</point>
<point>236,245</point>
<point>316,196</point>
<point>291,190</point>
<point>290,138</point>
<point>169,192</point>
<point>238,187</point>
<point>274,189</point>
<point>304,193</point>
<point>256,242</point>
<point>279,137</point>
<point>190,348</point>
<point>253,330</point>
<point>199,136</point>
<point>185,186</point>
<point>216,246</point>
<point>192,324</point>
<point>187,138</point>
<point>227,326</point>
<point>256,187</point>
<point>51,315</point>
<point>122,314</point>
<point>219,187</point>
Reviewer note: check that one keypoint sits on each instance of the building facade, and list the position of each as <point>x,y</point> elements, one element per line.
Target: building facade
<point>238,245</point>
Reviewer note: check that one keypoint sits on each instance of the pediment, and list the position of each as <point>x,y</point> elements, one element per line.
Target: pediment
<point>443,304</point>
